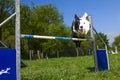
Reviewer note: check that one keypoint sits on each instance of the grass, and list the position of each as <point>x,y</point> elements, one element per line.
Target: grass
<point>70,68</point>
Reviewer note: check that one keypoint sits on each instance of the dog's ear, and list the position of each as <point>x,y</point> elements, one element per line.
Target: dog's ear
<point>86,16</point>
<point>76,17</point>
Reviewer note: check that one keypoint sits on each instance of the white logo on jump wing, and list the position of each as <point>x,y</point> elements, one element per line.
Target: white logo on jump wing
<point>3,71</point>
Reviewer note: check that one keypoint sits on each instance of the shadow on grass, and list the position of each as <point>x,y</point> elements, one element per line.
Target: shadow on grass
<point>91,69</point>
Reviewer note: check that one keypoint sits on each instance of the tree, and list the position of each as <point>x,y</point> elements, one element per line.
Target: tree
<point>7,31</point>
<point>6,9</point>
<point>26,19</point>
<point>99,42</point>
<point>116,42</point>
<point>42,17</point>
<point>48,22</point>
<point>58,30</point>
<point>41,20</point>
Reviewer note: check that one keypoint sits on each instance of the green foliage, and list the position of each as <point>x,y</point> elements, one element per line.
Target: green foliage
<point>25,19</point>
<point>7,30</point>
<point>86,45</point>
<point>99,42</point>
<point>6,8</point>
<point>116,42</point>
<point>43,20</point>
<point>70,68</point>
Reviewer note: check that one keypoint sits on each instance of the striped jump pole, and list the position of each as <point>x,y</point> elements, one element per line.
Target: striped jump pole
<point>52,37</point>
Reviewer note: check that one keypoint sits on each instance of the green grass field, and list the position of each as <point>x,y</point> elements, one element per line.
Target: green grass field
<point>70,68</point>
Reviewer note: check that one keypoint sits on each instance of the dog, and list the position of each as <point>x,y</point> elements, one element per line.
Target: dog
<point>80,27</point>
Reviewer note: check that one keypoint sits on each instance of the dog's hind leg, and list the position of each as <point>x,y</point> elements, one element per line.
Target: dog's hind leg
<point>78,43</point>
<point>77,51</point>
<point>77,47</point>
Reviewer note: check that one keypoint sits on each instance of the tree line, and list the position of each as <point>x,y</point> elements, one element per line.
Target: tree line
<point>41,20</point>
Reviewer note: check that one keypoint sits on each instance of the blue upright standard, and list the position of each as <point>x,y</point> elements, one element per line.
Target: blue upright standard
<point>102,59</point>
<point>7,64</point>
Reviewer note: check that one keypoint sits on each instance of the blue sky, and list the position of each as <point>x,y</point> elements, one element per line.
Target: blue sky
<point>105,13</point>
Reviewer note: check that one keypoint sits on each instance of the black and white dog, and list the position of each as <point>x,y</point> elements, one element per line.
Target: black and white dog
<point>80,27</point>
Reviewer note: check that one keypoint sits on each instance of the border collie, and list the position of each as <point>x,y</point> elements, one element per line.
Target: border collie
<point>80,27</point>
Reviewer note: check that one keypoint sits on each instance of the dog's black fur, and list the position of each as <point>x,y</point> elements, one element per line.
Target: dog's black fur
<point>75,24</point>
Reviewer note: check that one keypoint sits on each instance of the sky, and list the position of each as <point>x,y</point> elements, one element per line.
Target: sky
<point>105,13</point>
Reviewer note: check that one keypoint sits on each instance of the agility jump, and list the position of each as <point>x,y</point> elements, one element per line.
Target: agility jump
<point>53,37</point>
<point>82,29</point>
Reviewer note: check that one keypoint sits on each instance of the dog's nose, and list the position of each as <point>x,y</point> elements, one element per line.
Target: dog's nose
<point>81,27</point>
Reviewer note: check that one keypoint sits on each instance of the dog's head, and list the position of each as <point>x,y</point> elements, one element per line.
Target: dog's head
<point>82,24</point>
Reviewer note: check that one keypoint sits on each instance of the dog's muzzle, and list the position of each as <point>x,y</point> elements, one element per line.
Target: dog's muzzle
<point>81,30</point>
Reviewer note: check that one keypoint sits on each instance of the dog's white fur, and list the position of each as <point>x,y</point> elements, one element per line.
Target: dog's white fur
<point>85,23</point>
